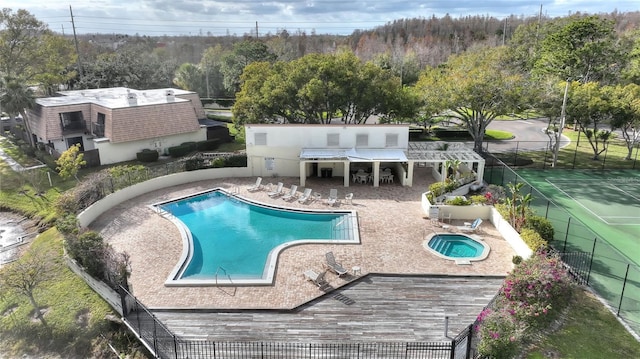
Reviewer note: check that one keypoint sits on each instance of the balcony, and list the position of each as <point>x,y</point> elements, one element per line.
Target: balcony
<point>69,127</point>
<point>97,129</point>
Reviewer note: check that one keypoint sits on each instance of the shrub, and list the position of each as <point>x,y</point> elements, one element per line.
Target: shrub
<point>179,151</point>
<point>236,161</point>
<point>538,289</point>
<point>68,225</point>
<point>208,145</point>
<point>458,201</point>
<point>543,226</point>
<point>437,189</point>
<point>478,199</point>
<point>191,145</point>
<point>533,239</point>
<point>193,164</point>
<point>499,334</point>
<point>218,163</point>
<point>147,155</point>
<point>516,260</point>
<point>88,250</point>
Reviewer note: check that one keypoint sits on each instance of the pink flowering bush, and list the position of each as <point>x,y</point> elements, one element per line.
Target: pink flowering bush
<point>499,334</point>
<point>537,289</point>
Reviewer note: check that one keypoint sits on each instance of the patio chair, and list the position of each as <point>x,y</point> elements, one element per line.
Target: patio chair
<point>293,193</point>
<point>334,266</point>
<point>349,198</point>
<point>277,192</point>
<point>333,197</point>
<point>306,196</point>
<point>471,227</point>
<point>315,277</point>
<point>257,186</point>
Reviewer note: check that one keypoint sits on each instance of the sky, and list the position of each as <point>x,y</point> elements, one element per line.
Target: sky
<point>239,17</point>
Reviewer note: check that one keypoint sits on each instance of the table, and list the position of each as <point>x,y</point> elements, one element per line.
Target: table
<point>356,270</point>
<point>317,196</point>
<point>362,177</point>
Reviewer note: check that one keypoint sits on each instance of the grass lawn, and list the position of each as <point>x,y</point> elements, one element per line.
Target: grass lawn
<point>12,150</point>
<point>589,330</point>
<point>73,311</point>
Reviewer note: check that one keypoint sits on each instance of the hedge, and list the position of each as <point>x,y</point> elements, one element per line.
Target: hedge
<point>147,155</point>
<point>208,145</point>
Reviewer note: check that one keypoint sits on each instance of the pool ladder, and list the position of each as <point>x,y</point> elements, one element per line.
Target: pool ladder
<point>230,281</point>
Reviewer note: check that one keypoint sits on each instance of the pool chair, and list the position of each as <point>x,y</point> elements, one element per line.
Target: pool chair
<point>306,196</point>
<point>334,266</point>
<point>277,192</point>
<point>257,186</point>
<point>293,193</point>
<point>349,198</point>
<point>333,197</point>
<point>316,278</point>
<point>471,227</point>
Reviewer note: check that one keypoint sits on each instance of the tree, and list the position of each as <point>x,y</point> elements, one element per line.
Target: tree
<point>584,49</point>
<point>190,77</point>
<point>624,104</point>
<point>20,38</point>
<point>70,161</point>
<point>589,109</point>
<point>16,98</point>
<point>475,87</point>
<point>243,54</point>
<point>27,274</point>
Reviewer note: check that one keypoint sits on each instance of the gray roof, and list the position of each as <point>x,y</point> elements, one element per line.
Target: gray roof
<point>115,97</point>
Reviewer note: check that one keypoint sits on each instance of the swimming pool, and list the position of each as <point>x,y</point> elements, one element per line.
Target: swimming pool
<point>456,246</point>
<point>229,240</point>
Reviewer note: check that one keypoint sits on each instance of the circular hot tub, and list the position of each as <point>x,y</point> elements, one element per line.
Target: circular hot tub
<point>456,246</point>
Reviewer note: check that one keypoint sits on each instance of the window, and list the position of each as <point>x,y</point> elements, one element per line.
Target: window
<point>362,140</point>
<point>261,139</point>
<point>333,140</point>
<point>98,127</point>
<point>391,140</point>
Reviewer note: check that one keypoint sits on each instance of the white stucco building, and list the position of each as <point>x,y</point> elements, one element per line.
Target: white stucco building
<point>342,150</point>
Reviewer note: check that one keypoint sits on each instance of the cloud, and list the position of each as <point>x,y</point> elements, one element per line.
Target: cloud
<point>174,17</point>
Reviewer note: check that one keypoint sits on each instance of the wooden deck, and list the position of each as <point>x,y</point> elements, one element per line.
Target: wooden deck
<point>374,308</point>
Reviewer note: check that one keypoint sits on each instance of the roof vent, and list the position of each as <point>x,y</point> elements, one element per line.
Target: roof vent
<point>132,98</point>
<point>171,96</point>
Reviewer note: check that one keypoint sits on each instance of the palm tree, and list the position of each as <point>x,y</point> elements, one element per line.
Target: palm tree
<point>16,98</point>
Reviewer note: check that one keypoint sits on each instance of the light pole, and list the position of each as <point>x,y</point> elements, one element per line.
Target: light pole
<point>563,114</point>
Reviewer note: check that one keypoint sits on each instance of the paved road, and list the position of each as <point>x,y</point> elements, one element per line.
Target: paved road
<point>529,135</point>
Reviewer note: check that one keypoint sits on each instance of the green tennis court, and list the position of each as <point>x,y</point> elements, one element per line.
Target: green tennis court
<point>607,202</point>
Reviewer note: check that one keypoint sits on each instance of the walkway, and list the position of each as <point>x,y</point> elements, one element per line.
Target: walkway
<point>15,166</point>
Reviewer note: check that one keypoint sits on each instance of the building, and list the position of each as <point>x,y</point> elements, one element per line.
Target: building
<point>339,150</point>
<point>113,124</point>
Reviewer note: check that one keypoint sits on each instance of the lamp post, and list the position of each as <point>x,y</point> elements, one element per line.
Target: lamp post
<point>563,114</point>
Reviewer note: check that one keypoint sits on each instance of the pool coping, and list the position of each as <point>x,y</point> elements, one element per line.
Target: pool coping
<point>268,275</point>
<point>459,260</point>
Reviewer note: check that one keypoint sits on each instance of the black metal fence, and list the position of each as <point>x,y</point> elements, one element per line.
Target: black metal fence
<point>166,345</point>
<point>574,155</point>
<point>590,258</point>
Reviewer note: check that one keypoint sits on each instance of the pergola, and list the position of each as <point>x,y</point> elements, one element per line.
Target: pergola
<point>435,153</point>
<point>441,152</point>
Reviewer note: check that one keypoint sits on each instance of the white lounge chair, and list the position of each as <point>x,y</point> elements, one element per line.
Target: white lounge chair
<point>334,266</point>
<point>306,196</point>
<point>293,193</point>
<point>471,227</point>
<point>333,197</point>
<point>277,192</point>
<point>315,277</point>
<point>257,186</point>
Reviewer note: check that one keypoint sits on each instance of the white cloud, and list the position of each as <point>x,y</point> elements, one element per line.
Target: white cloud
<point>175,17</point>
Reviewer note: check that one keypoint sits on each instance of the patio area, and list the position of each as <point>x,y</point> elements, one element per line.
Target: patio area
<point>391,223</point>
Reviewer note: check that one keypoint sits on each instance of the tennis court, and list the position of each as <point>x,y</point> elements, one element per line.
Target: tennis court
<point>606,202</point>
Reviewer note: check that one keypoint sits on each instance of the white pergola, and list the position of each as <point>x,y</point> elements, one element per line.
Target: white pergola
<point>434,153</point>
<point>441,152</point>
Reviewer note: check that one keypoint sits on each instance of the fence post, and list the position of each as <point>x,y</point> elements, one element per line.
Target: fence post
<point>604,160</point>
<point>624,284</point>
<point>566,235</point>
<point>546,213</point>
<point>175,345</point>
<point>155,338</point>
<point>593,250</point>
<point>636,158</point>
<point>515,157</point>
<point>452,353</point>
<point>502,179</point>
<point>469,341</point>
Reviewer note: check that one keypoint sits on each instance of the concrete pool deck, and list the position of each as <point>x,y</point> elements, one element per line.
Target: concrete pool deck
<point>392,229</point>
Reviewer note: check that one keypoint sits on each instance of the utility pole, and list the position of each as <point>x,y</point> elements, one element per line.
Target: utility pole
<point>563,114</point>
<point>256,29</point>
<point>75,40</point>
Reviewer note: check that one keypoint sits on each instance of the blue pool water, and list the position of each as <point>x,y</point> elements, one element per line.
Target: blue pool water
<point>456,246</point>
<point>235,237</point>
